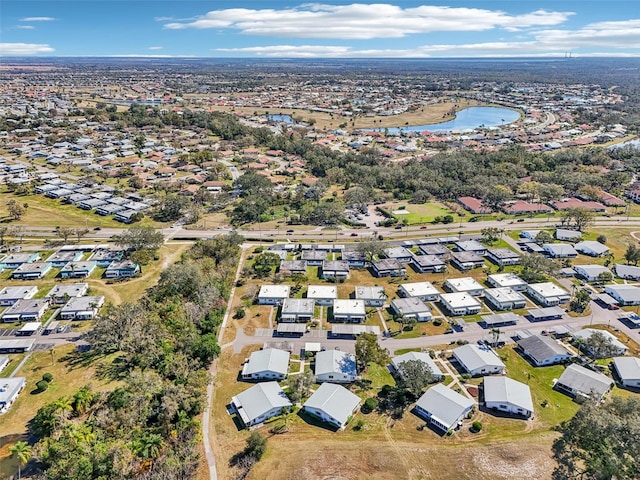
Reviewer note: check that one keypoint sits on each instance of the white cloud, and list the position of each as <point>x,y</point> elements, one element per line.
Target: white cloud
<point>25,27</point>
<point>290,51</point>
<point>364,21</point>
<point>37,19</point>
<point>156,48</point>
<point>24,48</point>
<point>623,34</point>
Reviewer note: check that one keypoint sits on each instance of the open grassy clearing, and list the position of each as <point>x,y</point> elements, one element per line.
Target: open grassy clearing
<point>417,214</point>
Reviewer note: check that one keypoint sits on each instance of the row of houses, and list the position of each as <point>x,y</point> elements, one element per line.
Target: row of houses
<point>523,207</point>
<point>33,310</point>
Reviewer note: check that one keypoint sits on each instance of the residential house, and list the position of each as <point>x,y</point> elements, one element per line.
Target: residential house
<point>563,234</point>
<point>10,295</point>
<point>624,294</point>
<point>82,308</point>
<point>466,284</point>
<point>436,249</point>
<point>371,296</point>
<point>60,258</point>
<point>10,388</point>
<point>17,345</point>
<point>507,395</point>
<point>543,314</point>
<point>521,207</point>
<point>400,254</point>
<point>548,294</point>
<point>628,371</point>
<point>474,205</point>
<point>338,269</point>
<point>260,403</point>
<point>543,350</point>
<point>478,360</point>
<point>388,267</point>
<point>273,294</point>
<point>423,357</point>
<point>78,269</point>
<point>511,280</point>
<point>104,257</point>
<point>425,291</point>
<point>627,272</point>
<point>466,260</point>
<point>297,310</point>
<point>335,366</point>
<point>591,248</point>
<point>323,295</point>
<point>31,271</point>
<point>349,310</point>
<point>569,203</point>
<point>504,298</point>
<point>122,269</point>
<point>411,307</point>
<point>460,303</point>
<point>26,310</point>
<point>503,256</point>
<point>267,364</point>
<point>332,404</point>
<point>560,250</point>
<point>578,381</point>
<point>355,259</point>
<point>591,273</point>
<point>314,258</point>
<point>428,263</point>
<point>443,408</point>
<point>60,294</point>
<point>471,246</point>
<point>581,337</point>
<point>498,320</point>
<point>292,267</point>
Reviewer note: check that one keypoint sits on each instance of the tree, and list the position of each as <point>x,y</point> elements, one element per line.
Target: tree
<point>600,442</point>
<point>64,233</point>
<point>599,345</point>
<point>299,385</point>
<point>490,235</point>
<point>580,300</point>
<point>82,399</point>
<point>370,248</point>
<point>495,336</point>
<point>264,264</point>
<point>170,209</point>
<point>299,279</point>
<point>140,238</point>
<point>22,452</point>
<point>632,254</point>
<point>4,231</point>
<point>414,376</point>
<point>535,267</point>
<point>80,232</point>
<point>544,237</point>
<point>578,218</point>
<point>256,446</point>
<point>369,351</point>
<point>604,277</point>
<point>15,209</point>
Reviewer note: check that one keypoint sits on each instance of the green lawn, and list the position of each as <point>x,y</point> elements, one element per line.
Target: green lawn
<point>419,213</point>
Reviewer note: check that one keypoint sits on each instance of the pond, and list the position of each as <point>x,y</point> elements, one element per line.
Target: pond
<point>467,119</point>
<point>280,118</point>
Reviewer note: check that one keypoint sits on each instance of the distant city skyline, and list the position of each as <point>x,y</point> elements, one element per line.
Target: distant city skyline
<point>327,29</point>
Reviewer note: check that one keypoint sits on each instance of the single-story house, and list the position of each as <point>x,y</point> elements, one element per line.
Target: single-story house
<point>14,260</point>
<point>428,263</point>
<point>466,260</point>
<point>411,307</point>
<point>522,207</point>
<point>547,313</point>
<point>322,295</point>
<point>10,388</point>
<point>333,404</point>
<point>104,257</point>
<point>548,294</point>
<point>478,360</point>
<point>425,291</point>
<point>543,350</point>
<point>122,269</point>
<point>335,366</point>
<point>591,248</point>
<point>371,296</point>
<point>627,272</point>
<point>260,403</point>
<point>511,280</point>
<point>471,246</point>
<point>436,249</point>
<point>291,267</point>
<point>388,267</point>
<point>443,408</point>
<point>349,310</point>
<point>503,256</point>
<point>578,381</point>
<point>474,205</point>
<point>297,310</point>
<point>504,298</point>
<point>628,370</point>
<point>355,259</point>
<point>507,395</point>
<point>465,284</point>
<point>618,348</point>
<point>78,269</point>
<point>26,310</point>
<point>10,295</point>
<point>530,234</point>
<point>624,294</point>
<point>82,308</point>
<point>338,269</point>
<point>60,258</point>
<point>568,235</point>
<point>31,271</point>
<point>423,357</point>
<point>399,253</point>
<point>498,320</point>
<point>61,293</point>
<point>314,258</point>
<point>460,303</point>
<point>591,273</point>
<point>560,250</point>
<point>273,294</point>
<point>17,345</point>
<point>267,364</point>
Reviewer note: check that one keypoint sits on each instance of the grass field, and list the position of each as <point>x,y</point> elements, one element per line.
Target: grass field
<point>418,213</point>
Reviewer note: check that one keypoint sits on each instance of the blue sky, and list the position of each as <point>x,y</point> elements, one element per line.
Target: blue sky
<point>333,28</point>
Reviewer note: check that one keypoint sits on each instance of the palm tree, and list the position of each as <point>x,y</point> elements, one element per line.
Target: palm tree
<point>495,333</point>
<point>62,408</point>
<point>82,399</point>
<point>150,446</point>
<point>21,451</point>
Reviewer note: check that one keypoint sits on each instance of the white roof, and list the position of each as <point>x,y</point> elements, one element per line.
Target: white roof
<point>348,307</point>
<point>504,294</point>
<point>322,291</point>
<point>628,367</point>
<point>559,249</point>
<point>335,361</point>
<point>9,387</point>
<point>464,284</point>
<point>259,399</point>
<point>444,405</point>
<point>274,291</point>
<point>474,357</point>
<point>460,300</point>
<point>508,390</point>
<point>627,270</point>
<point>507,279</point>
<point>72,289</point>
<point>367,293</point>
<point>334,400</point>
<point>563,232</point>
<point>628,293</point>
<point>591,270</point>
<point>585,381</point>
<point>548,289</point>
<point>18,292</point>
<point>419,289</point>
<point>410,305</point>
<point>420,356</point>
<point>269,359</point>
<point>591,245</point>
<point>586,333</point>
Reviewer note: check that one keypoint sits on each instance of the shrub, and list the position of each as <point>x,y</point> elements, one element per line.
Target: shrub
<point>476,426</point>
<point>359,425</point>
<point>369,405</point>
<point>42,385</point>
<point>47,377</point>
<point>437,322</point>
<point>240,313</point>
<point>447,219</point>
<point>602,239</point>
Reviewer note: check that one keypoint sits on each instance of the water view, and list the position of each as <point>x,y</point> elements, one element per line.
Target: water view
<point>467,119</point>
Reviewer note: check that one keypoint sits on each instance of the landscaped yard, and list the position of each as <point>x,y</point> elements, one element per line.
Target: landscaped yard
<point>418,213</point>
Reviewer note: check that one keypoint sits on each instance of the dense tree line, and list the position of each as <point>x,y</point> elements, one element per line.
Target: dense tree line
<point>146,428</point>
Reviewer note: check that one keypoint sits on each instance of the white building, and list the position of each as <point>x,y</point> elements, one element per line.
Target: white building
<point>591,273</point>
<point>273,294</point>
<point>348,310</point>
<point>10,388</point>
<point>267,364</point>
<point>511,280</point>
<point>578,381</point>
<point>591,248</point>
<point>543,350</point>
<point>560,250</point>
<point>425,291</point>
<point>411,307</point>
<point>322,295</point>
<point>624,294</point>
<point>569,235</point>
<point>443,408</point>
<point>466,284</point>
<point>333,404</point>
<point>504,298</point>
<point>297,310</point>
<point>478,360</point>
<point>548,294</point>
<point>371,296</point>
<point>628,370</point>
<point>10,295</point>
<point>507,395</point>
<point>335,366</point>
<point>585,334</point>
<point>260,402</point>
<point>460,303</point>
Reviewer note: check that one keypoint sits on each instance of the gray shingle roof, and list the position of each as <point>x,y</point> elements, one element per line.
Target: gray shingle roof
<point>540,347</point>
<point>585,381</point>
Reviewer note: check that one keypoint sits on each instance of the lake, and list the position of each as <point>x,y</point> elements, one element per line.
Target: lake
<point>280,118</point>
<point>467,119</point>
